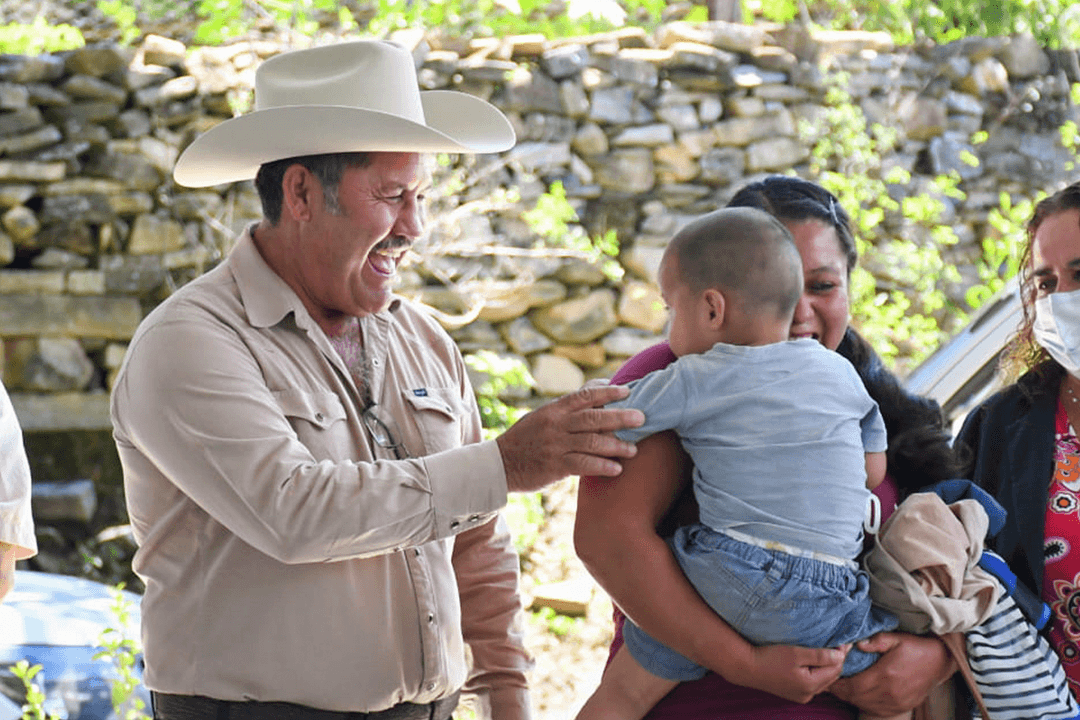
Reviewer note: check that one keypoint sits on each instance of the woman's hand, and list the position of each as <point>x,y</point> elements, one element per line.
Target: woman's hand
<point>910,666</point>
<point>793,673</point>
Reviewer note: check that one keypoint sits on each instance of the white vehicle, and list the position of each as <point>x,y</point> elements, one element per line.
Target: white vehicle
<point>962,372</point>
<point>57,621</point>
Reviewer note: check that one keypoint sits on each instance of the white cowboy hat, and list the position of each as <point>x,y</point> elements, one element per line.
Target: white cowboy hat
<point>349,97</point>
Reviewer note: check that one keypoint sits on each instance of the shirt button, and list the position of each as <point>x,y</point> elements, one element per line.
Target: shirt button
<point>318,416</point>
<point>416,552</point>
<point>430,687</point>
<point>474,518</point>
<point>431,617</point>
<point>454,524</point>
<point>375,362</point>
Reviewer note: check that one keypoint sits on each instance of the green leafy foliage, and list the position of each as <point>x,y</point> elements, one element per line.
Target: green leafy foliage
<point>556,623</point>
<point>500,373</point>
<point>900,306</point>
<point>551,219</point>
<point>1000,258</point>
<point>779,11</point>
<point>123,651</point>
<point>34,707</point>
<point>125,17</point>
<point>39,37</point>
<point>524,514</point>
<point>1054,23</point>
<point>222,21</point>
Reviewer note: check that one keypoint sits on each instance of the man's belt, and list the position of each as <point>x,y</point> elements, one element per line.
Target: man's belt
<point>197,707</point>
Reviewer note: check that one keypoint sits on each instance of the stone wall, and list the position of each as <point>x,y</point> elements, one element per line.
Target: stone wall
<point>642,130</point>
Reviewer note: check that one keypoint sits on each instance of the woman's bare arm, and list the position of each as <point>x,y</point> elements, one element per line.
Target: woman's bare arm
<point>615,536</point>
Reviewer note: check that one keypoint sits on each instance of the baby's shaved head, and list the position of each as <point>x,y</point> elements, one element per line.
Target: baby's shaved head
<point>744,251</point>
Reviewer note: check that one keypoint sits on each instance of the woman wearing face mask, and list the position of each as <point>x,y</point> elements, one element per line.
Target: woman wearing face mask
<point>1021,444</point>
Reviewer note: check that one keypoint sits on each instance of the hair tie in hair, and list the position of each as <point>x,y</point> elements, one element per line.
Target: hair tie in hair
<point>832,212</point>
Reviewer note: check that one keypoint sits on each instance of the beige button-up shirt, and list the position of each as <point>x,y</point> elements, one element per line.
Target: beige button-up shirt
<point>288,556</point>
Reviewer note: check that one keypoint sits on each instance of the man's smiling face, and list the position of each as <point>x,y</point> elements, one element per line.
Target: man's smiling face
<point>350,257</point>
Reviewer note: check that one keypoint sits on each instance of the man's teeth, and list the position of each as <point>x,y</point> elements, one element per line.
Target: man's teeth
<point>383,262</point>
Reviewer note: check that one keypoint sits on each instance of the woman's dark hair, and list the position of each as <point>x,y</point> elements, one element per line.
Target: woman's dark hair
<point>919,453</point>
<point>791,199</point>
<point>327,168</point>
<point>1023,353</point>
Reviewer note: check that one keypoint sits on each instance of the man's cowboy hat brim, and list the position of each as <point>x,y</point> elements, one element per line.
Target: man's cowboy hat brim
<point>233,150</point>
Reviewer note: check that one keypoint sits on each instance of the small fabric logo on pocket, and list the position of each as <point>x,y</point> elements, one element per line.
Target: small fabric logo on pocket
<point>420,392</point>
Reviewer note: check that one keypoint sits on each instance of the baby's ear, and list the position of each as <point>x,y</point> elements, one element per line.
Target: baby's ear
<point>715,305</point>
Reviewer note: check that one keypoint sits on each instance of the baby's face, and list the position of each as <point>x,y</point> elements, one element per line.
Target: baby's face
<point>688,312</point>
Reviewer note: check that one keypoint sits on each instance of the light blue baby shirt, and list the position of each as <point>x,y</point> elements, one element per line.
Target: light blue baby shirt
<point>777,434</point>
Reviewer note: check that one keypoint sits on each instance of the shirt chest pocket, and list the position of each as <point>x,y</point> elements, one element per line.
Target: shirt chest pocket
<point>438,414</point>
<point>317,418</point>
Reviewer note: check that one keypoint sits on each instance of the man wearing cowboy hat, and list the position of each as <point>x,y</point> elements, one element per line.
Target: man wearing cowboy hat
<point>305,476</point>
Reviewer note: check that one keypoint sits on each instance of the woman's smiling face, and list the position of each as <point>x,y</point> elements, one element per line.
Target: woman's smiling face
<point>824,309</point>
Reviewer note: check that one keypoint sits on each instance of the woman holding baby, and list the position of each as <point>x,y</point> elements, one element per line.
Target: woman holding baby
<point>622,523</point>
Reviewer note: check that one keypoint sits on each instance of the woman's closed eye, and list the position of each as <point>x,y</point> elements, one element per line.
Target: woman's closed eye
<point>821,286</point>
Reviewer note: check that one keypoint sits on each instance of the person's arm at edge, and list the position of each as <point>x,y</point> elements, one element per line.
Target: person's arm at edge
<point>7,568</point>
<point>615,536</point>
<point>17,539</point>
<point>486,566</point>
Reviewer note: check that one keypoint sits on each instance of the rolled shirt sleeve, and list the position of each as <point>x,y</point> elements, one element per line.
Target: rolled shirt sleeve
<point>16,521</point>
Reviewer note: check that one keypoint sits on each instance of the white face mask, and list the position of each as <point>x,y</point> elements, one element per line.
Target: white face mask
<point>1057,328</point>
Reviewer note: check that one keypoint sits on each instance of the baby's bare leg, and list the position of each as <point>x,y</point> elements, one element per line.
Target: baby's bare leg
<point>627,691</point>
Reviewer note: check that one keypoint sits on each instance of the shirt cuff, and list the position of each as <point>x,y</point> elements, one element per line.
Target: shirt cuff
<point>18,529</point>
<point>468,484</point>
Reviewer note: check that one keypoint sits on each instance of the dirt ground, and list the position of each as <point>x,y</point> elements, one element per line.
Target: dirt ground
<point>569,654</point>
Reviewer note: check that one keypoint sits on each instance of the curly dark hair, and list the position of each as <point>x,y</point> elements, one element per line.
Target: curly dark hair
<point>1024,354</point>
<point>919,452</point>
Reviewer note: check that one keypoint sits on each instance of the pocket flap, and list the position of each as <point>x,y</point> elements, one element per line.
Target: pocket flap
<point>320,409</point>
<point>441,400</point>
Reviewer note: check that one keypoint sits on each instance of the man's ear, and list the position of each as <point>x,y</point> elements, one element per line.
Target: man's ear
<point>715,307</point>
<point>299,192</point>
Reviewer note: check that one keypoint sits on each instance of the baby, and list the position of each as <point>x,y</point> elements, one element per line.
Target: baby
<point>786,445</point>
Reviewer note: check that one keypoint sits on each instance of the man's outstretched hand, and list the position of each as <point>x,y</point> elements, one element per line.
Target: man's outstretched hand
<point>570,436</point>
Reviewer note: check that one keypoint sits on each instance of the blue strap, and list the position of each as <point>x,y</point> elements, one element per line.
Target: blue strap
<point>959,489</point>
<point>1035,610</point>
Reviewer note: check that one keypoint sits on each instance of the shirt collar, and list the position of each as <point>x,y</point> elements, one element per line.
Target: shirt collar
<point>266,297</point>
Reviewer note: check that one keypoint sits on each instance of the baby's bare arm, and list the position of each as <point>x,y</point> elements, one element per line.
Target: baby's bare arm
<point>875,469</point>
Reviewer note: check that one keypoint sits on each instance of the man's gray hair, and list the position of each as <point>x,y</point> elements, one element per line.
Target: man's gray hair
<point>328,169</point>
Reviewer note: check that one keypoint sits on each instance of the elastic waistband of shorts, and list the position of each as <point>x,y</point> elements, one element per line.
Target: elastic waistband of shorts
<point>790,550</point>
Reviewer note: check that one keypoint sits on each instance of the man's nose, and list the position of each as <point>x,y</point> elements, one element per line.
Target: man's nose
<point>411,220</point>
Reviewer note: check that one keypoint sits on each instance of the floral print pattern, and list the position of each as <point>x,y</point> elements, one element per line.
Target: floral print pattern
<point>1061,577</point>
